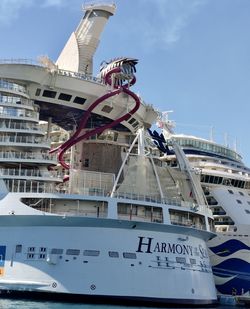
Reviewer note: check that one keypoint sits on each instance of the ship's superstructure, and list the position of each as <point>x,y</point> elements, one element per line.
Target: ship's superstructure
<point>117,212</point>
<point>226,184</point>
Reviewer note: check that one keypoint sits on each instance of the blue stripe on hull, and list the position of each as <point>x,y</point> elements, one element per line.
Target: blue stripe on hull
<point>241,272</point>
<point>229,247</point>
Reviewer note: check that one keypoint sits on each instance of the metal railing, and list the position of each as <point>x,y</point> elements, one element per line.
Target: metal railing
<point>27,156</point>
<point>80,76</point>
<point>11,86</point>
<point>29,173</point>
<point>13,112</point>
<point>8,124</point>
<point>20,61</point>
<point>36,63</point>
<point>15,100</point>
<point>149,198</point>
<point>188,223</point>
<point>23,186</point>
<point>24,140</point>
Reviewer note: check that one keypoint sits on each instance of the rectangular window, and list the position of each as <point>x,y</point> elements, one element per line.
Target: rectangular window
<point>113,254</point>
<point>18,248</point>
<point>79,100</point>
<point>49,94</point>
<point>65,97</point>
<point>30,256</point>
<point>56,251</point>
<point>129,255</point>
<point>38,91</point>
<point>31,249</point>
<point>181,260</point>
<point>131,121</point>
<point>43,249</point>
<point>193,261</point>
<point>135,124</point>
<point>72,251</point>
<point>91,252</point>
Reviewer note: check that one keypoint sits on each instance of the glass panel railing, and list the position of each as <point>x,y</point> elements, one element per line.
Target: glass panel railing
<point>24,139</point>
<point>27,156</point>
<point>12,86</point>
<point>4,99</point>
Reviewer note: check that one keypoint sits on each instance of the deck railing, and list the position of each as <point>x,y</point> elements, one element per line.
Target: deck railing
<point>15,101</point>
<point>29,173</point>
<point>25,140</point>
<point>13,112</point>
<point>8,124</point>
<point>37,63</point>
<point>11,86</point>
<point>27,156</point>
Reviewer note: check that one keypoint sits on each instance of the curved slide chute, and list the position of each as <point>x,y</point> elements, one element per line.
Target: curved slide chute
<point>119,74</point>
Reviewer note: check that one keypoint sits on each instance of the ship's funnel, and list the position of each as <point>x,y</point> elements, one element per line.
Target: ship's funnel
<point>77,54</point>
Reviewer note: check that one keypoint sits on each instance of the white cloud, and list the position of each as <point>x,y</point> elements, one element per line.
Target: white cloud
<point>167,20</point>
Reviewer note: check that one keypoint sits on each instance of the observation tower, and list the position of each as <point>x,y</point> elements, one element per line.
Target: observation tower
<point>77,54</point>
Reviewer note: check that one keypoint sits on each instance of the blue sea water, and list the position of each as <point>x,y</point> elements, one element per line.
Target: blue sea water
<point>26,304</point>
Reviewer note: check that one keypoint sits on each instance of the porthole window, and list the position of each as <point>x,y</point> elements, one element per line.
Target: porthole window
<point>239,201</point>
<point>230,191</point>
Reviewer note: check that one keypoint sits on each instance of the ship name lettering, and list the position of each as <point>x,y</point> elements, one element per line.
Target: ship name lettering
<point>145,245</point>
<point>203,252</point>
<point>173,248</point>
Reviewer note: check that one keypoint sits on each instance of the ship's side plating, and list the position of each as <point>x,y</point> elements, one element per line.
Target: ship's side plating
<point>95,257</point>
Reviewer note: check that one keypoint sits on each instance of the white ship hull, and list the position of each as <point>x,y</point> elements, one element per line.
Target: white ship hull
<point>108,258</point>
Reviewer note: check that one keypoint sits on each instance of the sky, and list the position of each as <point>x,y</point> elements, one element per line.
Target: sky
<point>194,55</point>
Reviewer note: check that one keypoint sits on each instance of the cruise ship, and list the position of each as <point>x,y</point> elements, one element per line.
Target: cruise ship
<point>226,184</point>
<point>113,223</point>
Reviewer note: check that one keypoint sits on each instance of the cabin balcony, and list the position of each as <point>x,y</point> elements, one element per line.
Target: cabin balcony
<point>29,157</point>
<point>31,174</point>
<point>25,141</point>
